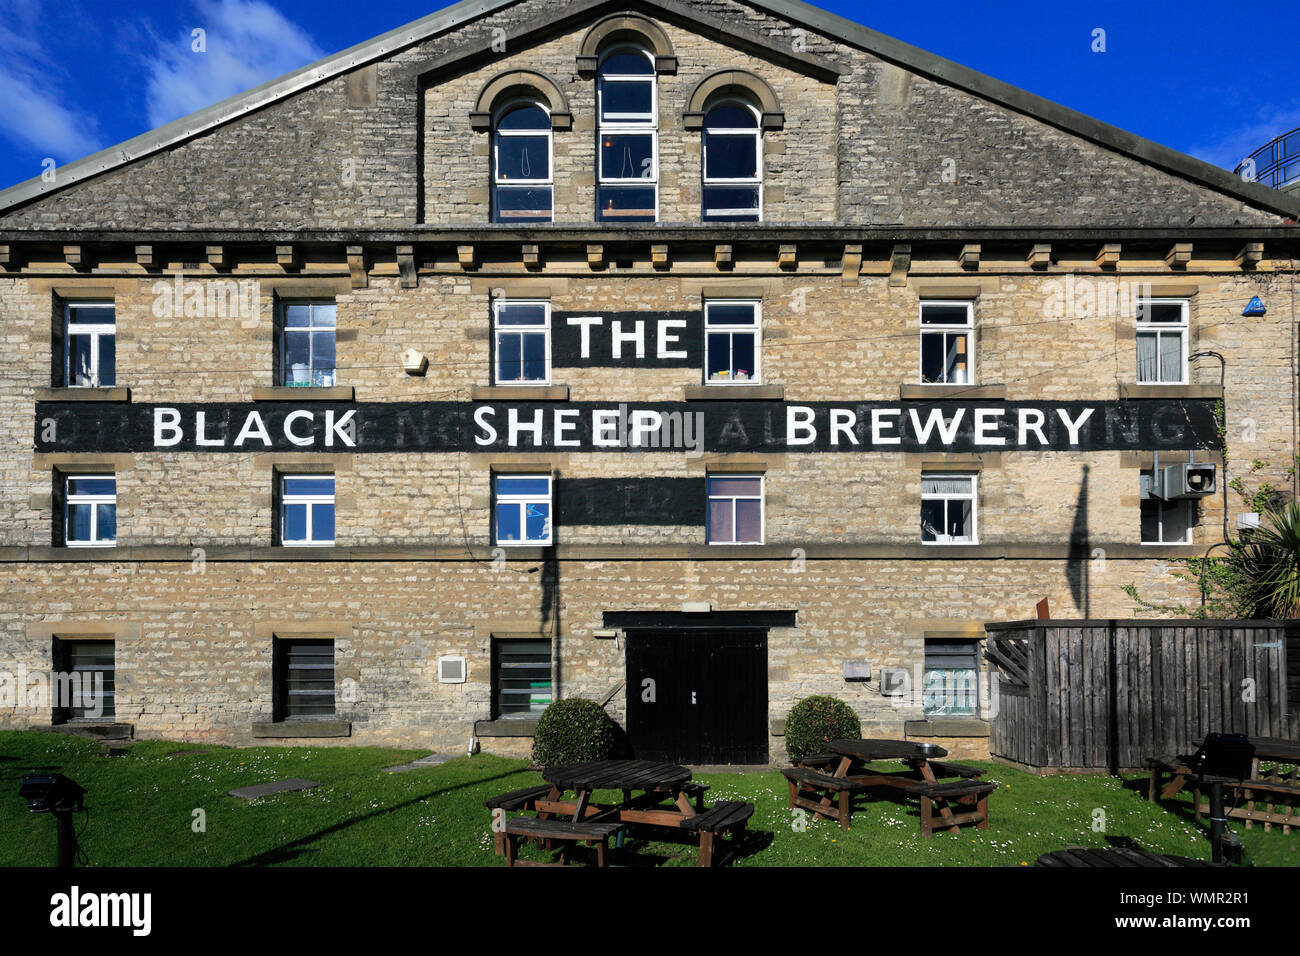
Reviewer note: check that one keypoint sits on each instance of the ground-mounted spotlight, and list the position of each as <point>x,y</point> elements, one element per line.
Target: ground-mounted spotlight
<point>56,794</point>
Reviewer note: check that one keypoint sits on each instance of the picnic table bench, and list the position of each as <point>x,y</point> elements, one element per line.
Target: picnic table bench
<point>557,829</point>
<point>728,816</point>
<point>828,792</point>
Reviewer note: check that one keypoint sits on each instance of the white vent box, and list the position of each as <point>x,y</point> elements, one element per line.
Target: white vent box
<point>451,669</point>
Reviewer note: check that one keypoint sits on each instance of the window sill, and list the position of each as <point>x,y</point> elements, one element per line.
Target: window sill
<point>1127,390</point>
<point>733,393</point>
<point>117,393</point>
<point>977,393</point>
<point>519,393</point>
<point>506,727</point>
<point>302,728</point>
<point>304,393</point>
<point>946,727</point>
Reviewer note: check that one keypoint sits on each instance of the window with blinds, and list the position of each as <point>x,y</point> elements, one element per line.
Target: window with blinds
<point>951,687</point>
<point>521,683</point>
<point>85,684</point>
<point>304,678</point>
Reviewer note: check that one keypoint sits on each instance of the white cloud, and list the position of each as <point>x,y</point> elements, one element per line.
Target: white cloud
<point>1231,147</point>
<point>38,111</point>
<point>248,42</point>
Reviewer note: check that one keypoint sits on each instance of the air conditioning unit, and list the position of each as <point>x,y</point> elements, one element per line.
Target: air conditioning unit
<point>1187,480</point>
<point>451,669</point>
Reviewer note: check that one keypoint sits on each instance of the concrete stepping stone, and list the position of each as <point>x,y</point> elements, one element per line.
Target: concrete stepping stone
<point>430,761</point>
<point>275,786</point>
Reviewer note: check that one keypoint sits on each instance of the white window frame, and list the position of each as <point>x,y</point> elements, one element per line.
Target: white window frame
<point>1189,506</point>
<point>944,329</point>
<point>757,181</point>
<point>498,330</point>
<point>648,125</point>
<point>497,133</point>
<point>522,501</point>
<point>287,499</point>
<point>1182,329</point>
<point>756,374</point>
<point>309,330</point>
<point>95,332</point>
<point>761,497</point>
<point>69,499</point>
<point>972,497</point>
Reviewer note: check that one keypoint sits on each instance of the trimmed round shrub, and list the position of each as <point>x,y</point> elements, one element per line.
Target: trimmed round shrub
<point>815,720</point>
<point>574,730</point>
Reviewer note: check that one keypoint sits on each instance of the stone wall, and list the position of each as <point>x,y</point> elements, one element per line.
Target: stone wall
<point>890,148</point>
<point>193,644</point>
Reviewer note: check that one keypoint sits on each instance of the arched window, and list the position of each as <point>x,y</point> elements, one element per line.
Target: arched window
<point>733,163</point>
<point>522,180</point>
<point>628,146</point>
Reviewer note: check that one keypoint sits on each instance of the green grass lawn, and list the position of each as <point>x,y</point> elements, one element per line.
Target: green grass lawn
<point>142,813</point>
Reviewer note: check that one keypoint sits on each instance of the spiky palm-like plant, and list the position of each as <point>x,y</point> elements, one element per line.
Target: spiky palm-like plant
<point>1270,561</point>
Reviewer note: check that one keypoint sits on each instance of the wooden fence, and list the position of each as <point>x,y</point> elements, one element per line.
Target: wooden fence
<point>1109,694</point>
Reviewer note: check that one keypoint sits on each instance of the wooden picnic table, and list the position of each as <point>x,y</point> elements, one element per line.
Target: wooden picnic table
<point>1082,857</point>
<point>922,778</point>
<point>1277,790</point>
<point>655,782</point>
<point>655,794</point>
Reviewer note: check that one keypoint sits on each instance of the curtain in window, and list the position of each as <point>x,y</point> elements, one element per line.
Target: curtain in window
<point>1171,358</point>
<point>1148,370</point>
<point>945,485</point>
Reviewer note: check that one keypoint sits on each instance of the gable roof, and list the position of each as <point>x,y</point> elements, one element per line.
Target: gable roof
<point>821,21</point>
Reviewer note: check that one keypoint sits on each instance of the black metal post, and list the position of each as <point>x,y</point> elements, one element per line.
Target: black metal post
<point>67,839</point>
<point>1218,821</point>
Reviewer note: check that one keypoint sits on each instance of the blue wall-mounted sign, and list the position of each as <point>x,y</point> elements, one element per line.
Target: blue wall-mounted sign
<point>1255,308</point>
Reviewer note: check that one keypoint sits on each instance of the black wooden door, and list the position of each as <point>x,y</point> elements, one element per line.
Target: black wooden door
<point>697,695</point>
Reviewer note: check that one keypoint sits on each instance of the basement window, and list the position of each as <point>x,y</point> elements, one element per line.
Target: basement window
<point>1162,329</point>
<point>303,677</point>
<point>950,679</point>
<point>84,680</point>
<point>523,342</point>
<point>1165,522</point>
<point>732,335</point>
<point>307,344</point>
<point>523,510</point>
<point>90,511</point>
<point>307,510</point>
<point>947,343</point>
<point>521,677</point>
<point>735,509</point>
<point>948,509</point>
<point>90,344</point>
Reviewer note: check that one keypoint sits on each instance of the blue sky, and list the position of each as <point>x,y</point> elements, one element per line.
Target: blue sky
<point>81,75</point>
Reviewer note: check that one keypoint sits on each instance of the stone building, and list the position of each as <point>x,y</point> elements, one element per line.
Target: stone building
<point>694,356</point>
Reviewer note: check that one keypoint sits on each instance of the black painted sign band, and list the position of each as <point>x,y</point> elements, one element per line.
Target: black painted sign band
<point>690,427</point>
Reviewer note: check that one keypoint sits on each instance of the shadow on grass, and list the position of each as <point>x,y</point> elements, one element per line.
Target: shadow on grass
<point>301,846</point>
<point>647,850</point>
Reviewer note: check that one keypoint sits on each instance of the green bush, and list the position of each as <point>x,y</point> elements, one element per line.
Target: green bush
<point>572,731</point>
<point>815,720</point>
